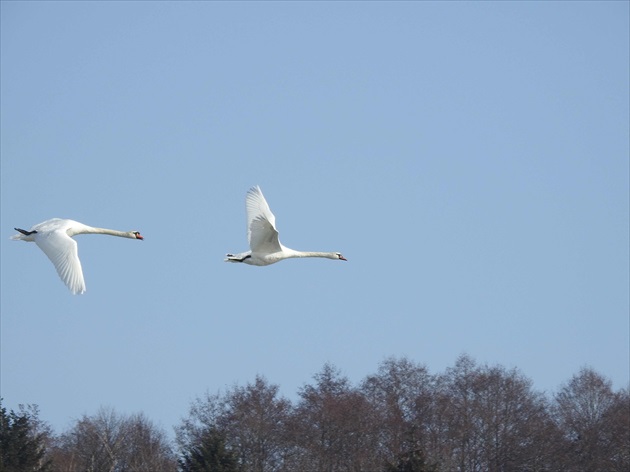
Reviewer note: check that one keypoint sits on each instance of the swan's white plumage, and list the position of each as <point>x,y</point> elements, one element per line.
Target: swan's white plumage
<point>54,238</point>
<point>262,236</point>
<point>63,252</point>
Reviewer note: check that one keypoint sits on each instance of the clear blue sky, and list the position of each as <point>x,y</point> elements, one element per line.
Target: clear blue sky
<point>469,159</point>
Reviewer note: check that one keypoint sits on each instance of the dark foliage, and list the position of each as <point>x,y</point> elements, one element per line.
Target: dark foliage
<point>412,461</point>
<point>22,442</point>
<point>208,454</point>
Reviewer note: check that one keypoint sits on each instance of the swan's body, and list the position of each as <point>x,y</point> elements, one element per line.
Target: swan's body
<point>54,237</point>
<point>263,236</point>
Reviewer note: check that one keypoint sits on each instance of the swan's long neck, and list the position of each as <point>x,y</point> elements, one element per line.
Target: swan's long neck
<point>91,230</point>
<point>294,253</point>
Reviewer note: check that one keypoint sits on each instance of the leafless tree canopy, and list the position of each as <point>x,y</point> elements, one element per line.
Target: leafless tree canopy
<point>469,418</point>
<point>400,419</point>
<point>110,442</point>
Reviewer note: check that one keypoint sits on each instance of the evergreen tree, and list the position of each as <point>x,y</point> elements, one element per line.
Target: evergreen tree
<point>412,461</point>
<point>208,454</point>
<point>22,446</point>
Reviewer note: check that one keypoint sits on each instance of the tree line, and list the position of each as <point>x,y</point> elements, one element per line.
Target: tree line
<point>468,418</point>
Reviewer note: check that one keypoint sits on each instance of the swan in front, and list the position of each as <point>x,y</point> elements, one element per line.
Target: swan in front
<point>54,237</point>
<point>263,236</point>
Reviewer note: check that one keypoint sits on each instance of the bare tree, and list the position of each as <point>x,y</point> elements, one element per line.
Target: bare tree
<point>460,449</point>
<point>203,415</point>
<point>587,410</point>
<point>401,394</point>
<point>616,436</point>
<point>148,449</point>
<point>493,420</point>
<point>470,418</point>
<point>255,421</point>
<point>94,443</point>
<point>334,426</point>
<point>109,442</point>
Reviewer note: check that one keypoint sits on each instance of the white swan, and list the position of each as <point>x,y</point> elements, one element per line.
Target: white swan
<point>54,237</point>
<point>263,236</point>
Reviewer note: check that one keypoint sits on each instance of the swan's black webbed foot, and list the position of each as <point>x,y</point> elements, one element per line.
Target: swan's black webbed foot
<point>235,259</point>
<point>24,232</point>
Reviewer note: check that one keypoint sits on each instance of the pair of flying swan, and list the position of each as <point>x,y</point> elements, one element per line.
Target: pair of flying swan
<point>54,237</point>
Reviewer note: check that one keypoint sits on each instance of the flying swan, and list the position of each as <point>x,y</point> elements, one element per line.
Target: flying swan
<point>263,236</point>
<point>54,237</point>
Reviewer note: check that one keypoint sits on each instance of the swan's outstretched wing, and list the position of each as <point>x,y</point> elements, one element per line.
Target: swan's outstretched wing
<point>261,224</point>
<point>62,251</point>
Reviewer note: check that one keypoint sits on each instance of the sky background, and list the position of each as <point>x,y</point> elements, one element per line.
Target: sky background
<point>469,159</point>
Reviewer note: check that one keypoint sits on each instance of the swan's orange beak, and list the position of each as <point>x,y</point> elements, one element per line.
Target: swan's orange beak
<point>139,236</point>
<point>343,258</point>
